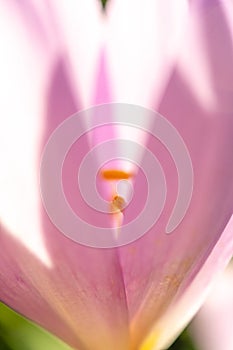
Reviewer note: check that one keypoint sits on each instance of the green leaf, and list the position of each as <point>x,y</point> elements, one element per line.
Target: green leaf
<point>18,333</point>
<point>3,345</point>
<point>184,342</point>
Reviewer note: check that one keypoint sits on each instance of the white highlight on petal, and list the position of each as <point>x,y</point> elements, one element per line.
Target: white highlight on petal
<point>142,42</point>
<point>82,29</point>
<point>124,189</point>
<point>22,88</point>
<point>197,76</point>
<point>208,43</point>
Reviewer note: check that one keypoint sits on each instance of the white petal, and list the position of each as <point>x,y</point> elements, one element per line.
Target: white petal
<point>143,38</point>
<point>24,69</point>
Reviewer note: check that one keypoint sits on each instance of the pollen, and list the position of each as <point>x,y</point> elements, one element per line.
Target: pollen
<point>117,204</point>
<point>150,342</point>
<point>115,174</point>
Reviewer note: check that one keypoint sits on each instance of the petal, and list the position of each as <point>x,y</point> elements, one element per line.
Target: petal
<point>189,299</point>
<point>74,291</point>
<point>159,266</point>
<point>24,77</point>
<point>81,26</point>
<point>140,47</point>
<point>140,53</point>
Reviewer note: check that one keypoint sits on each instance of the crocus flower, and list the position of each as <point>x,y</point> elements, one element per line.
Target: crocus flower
<point>212,327</point>
<point>58,57</point>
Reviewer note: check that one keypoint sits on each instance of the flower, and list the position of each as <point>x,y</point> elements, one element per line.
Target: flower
<point>57,59</point>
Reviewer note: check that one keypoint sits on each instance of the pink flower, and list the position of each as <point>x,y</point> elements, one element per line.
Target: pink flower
<point>60,57</point>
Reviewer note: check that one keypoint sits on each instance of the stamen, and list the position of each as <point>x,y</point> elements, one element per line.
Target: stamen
<point>117,204</point>
<point>115,174</point>
<point>116,209</point>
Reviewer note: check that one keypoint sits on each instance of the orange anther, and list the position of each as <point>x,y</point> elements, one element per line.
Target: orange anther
<point>117,204</point>
<point>115,174</point>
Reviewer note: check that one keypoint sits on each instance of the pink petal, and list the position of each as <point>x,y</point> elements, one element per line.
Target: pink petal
<point>188,300</point>
<point>73,291</point>
<point>157,267</point>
